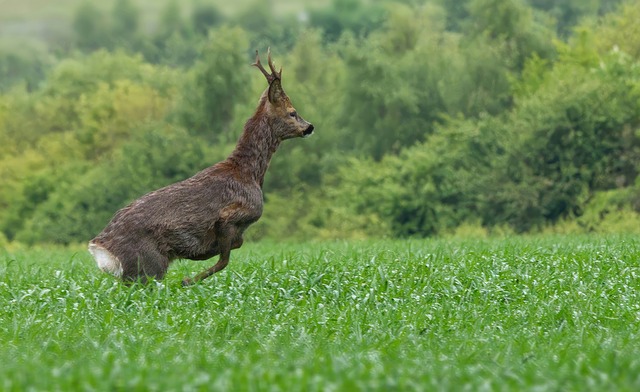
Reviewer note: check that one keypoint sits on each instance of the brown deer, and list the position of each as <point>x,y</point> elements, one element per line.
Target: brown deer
<point>205,215</point>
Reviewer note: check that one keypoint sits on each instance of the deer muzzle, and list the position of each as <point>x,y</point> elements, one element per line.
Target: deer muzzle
<point>308,131</point>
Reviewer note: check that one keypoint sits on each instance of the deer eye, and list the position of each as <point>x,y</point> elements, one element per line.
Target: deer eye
<point>293,114</point>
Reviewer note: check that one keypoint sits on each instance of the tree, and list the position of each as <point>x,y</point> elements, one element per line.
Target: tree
<point>347,16</point>
<point>174,43</point>
<point>204,17</point>
<point>80,206</point>
<point>125,20</point>
<point>90,27</point>
<point>574,138</point>
<point>23,62</point>
<point>511,25</point>
<point>620,31</point>
<point>170,20</point>
<point>218,82</point>
<point>405,78</point>
<point>568,13</point>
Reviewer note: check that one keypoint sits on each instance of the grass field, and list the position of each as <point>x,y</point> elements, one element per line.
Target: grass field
<point>543,314</point>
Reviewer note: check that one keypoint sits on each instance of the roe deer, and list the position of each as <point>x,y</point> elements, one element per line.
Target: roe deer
<point>205,215</point>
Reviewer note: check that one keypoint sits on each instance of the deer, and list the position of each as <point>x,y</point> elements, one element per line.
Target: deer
<point>207,214</point>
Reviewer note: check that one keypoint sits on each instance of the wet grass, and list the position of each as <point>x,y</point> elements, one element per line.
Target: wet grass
<point>552,313</point>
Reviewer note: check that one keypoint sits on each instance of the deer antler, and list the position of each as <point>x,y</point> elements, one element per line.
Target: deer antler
<point>270,76</point>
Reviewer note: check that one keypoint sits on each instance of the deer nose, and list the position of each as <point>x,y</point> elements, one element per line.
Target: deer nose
<point>308,131</point>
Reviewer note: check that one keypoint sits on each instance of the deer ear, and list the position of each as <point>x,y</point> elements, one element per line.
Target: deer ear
<point>275,91</point>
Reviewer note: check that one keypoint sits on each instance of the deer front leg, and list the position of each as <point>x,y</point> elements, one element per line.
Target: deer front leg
<point>222,262</point>
<point>225,244</point>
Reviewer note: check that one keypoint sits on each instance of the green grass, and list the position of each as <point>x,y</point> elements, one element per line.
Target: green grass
<point>544,314</point>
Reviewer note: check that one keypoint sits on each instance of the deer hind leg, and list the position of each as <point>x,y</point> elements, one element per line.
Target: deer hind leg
<point>226,243</point>
<point>142,266</point>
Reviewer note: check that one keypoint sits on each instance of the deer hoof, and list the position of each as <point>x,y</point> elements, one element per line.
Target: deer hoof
<point>187,282</point>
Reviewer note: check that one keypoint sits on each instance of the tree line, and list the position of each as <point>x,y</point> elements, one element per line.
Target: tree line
<point>432,117</point>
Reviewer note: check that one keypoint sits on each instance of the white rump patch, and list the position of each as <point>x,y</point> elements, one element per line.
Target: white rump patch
<point>106,261</point>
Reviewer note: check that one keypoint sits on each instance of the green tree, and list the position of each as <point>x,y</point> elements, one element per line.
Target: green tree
<point>575,137</point>
<point>125,20</point>
<point>23,62</point>
<point>398,90</point>
<point>568,13</point>
<point>390,101</point>
<point>217,84</point>
<point>204,17</point>
<point>81,205</point>
<point>431,187</point>
<point>85,110</point>
<point>619,31</point>
<point>59,104</point>
<point>90,27</point>
<point>456,13</point>
<point>347,16</point>
<point>174,41</point>
<point>513,26</point>
<point>170,20</point>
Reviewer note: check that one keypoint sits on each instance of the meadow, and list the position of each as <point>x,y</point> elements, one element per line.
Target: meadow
<point>542,313</point>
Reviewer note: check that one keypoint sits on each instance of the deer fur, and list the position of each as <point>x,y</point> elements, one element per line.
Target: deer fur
<point>207,214</point>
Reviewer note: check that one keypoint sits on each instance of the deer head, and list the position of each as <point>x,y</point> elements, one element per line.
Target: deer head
<point>285,120</point>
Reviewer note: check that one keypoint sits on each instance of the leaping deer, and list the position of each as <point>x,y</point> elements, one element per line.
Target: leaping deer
<point>205,215</point>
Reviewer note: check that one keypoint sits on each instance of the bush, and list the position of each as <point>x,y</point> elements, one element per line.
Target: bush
<point>25,62</point>
<point>77,210</point>
<point>613,211</point>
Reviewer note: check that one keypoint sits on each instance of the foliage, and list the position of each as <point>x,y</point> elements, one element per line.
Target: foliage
<point>347,15</point>
<point>606,212</point>
<point>23,63</point>
<point>217,83</point>
<point>392,96</point>
<point>432,117</point>
<point>125,23</point>
<point>152,159</point>
<point>568,13</point>
<point>574,138</point>
<point>90,28</point>
<point>204,17</point>
<point>618,31</point>
<point>84,111</point>
<point>432,187</point>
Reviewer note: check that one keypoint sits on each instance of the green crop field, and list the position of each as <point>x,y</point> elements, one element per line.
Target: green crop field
<point>538,313</point>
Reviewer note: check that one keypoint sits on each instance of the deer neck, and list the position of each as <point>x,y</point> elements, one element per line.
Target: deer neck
<point>255,148</point>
